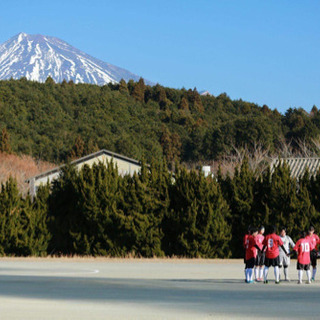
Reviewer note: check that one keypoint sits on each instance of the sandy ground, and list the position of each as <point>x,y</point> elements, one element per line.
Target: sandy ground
<point>146,289</point>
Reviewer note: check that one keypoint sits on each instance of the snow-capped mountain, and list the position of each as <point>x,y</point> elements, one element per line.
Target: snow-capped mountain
<point>205,93</point>
<point>37,57</point>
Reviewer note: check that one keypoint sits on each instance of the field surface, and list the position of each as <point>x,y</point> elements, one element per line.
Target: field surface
<point>147,289</point>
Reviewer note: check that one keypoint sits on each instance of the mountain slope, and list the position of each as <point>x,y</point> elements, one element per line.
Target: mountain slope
<point>37,57</point>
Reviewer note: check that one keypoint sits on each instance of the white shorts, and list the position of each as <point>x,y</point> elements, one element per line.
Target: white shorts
<point>284,260</point>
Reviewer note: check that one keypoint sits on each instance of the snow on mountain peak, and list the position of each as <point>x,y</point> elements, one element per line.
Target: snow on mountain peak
<point>37,57</point>
<point>21,36</point>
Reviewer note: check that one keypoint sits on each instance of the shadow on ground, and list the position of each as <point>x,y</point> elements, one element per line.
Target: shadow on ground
<point>227,296</point>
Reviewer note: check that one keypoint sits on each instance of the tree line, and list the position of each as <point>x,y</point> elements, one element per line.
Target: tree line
<point>95,211</point>
<point>58,121</point>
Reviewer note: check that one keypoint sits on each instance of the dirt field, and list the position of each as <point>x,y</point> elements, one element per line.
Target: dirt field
<point>146,289</point>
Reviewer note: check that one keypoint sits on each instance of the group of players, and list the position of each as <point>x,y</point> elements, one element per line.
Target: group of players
<point>262,252</point>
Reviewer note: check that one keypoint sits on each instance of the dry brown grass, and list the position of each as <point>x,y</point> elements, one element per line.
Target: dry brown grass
<point>258,156</point>
<point>21,168</point>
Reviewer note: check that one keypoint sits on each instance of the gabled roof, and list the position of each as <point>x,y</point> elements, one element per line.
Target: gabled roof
<point>298,166</point>
<point>86,158</point>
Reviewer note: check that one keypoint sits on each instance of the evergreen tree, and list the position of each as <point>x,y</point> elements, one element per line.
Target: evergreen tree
<point>5,141</point>
<point>49,81</point>
<point>11,228</point>
<point>314,190</point>
<point>171,146</point>
<point>123,88</point>
<point>282,199</point>
<point>147,202</point>
<point>184,105</point>
<point>162,98</point>
<point>196,225</point>
<point>261,201</point>
<point>197,104</point>
<point>306,212</point>
<point>101,192</point>
<point>138,90</point>
<point>91,147</point>
<point>41,235</point>
<point>62,211</point>
<point>240,194</point>
<point>86,204</point>
<point>33,223</point>
<point>130,85</point>
<point>78,150</point>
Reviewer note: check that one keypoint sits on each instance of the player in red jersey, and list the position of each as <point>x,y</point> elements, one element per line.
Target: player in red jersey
<point>303,248</point>
<point>245,239</point>
<point>314,240</point>
<point>272,242</point>
<point>251,254</point>
<point>259,263</point>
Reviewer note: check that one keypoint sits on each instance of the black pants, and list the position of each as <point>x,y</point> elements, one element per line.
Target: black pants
<point>272,262</point>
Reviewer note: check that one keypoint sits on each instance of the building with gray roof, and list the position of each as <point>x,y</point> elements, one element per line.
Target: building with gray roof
<point>124,164</point>
<point>298,166</point>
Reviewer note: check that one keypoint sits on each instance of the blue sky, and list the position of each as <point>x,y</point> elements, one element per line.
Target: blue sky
<point>263,51</point>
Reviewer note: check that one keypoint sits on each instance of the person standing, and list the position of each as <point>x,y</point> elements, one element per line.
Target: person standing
<point>303,247</point>
<point>251,254</point>
<point>314,240</point>
<point>259,263</point>
<point>271,243</point>
<point>245,243</point>
<point>284,258</point>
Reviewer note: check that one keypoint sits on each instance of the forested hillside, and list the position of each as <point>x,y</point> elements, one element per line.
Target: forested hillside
<point>55,121</point>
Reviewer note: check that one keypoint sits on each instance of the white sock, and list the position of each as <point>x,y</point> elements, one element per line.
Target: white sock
<point>247,275</point>
<point>256,272</point>
<point>261,272</point>
<point>309,275</point>
<point>300,275</point>
<point>285,271</point>
<point>265,273</point>
<point>250,272</point>
<point>277,273</point>
<point>314,271</point>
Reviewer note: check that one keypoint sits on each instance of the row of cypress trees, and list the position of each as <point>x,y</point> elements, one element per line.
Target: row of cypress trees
<point>272,199</point>
<point>95,211</point>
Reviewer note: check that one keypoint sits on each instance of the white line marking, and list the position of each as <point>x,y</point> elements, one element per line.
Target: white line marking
<point>52,272</point>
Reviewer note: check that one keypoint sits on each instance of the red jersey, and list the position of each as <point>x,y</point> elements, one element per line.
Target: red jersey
<point>251,251</point>
<point>245,238</point>
<point>314,240</point>
<point>272,242</point>
<point>259,240</point>
<point>303,248</point>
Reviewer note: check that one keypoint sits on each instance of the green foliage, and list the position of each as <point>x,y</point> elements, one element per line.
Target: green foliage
<point>23,227</point>
<point>240,194</point>
<point>95,211</point>
<point>147,202</point>
<point>39,212</point>
<point>138,90</point>
<point>62,211</point>
<point>196,225</point>
<point>45,119</point>
<point>5,141</point>
<point>123,88</point>
<point>274,199</point>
